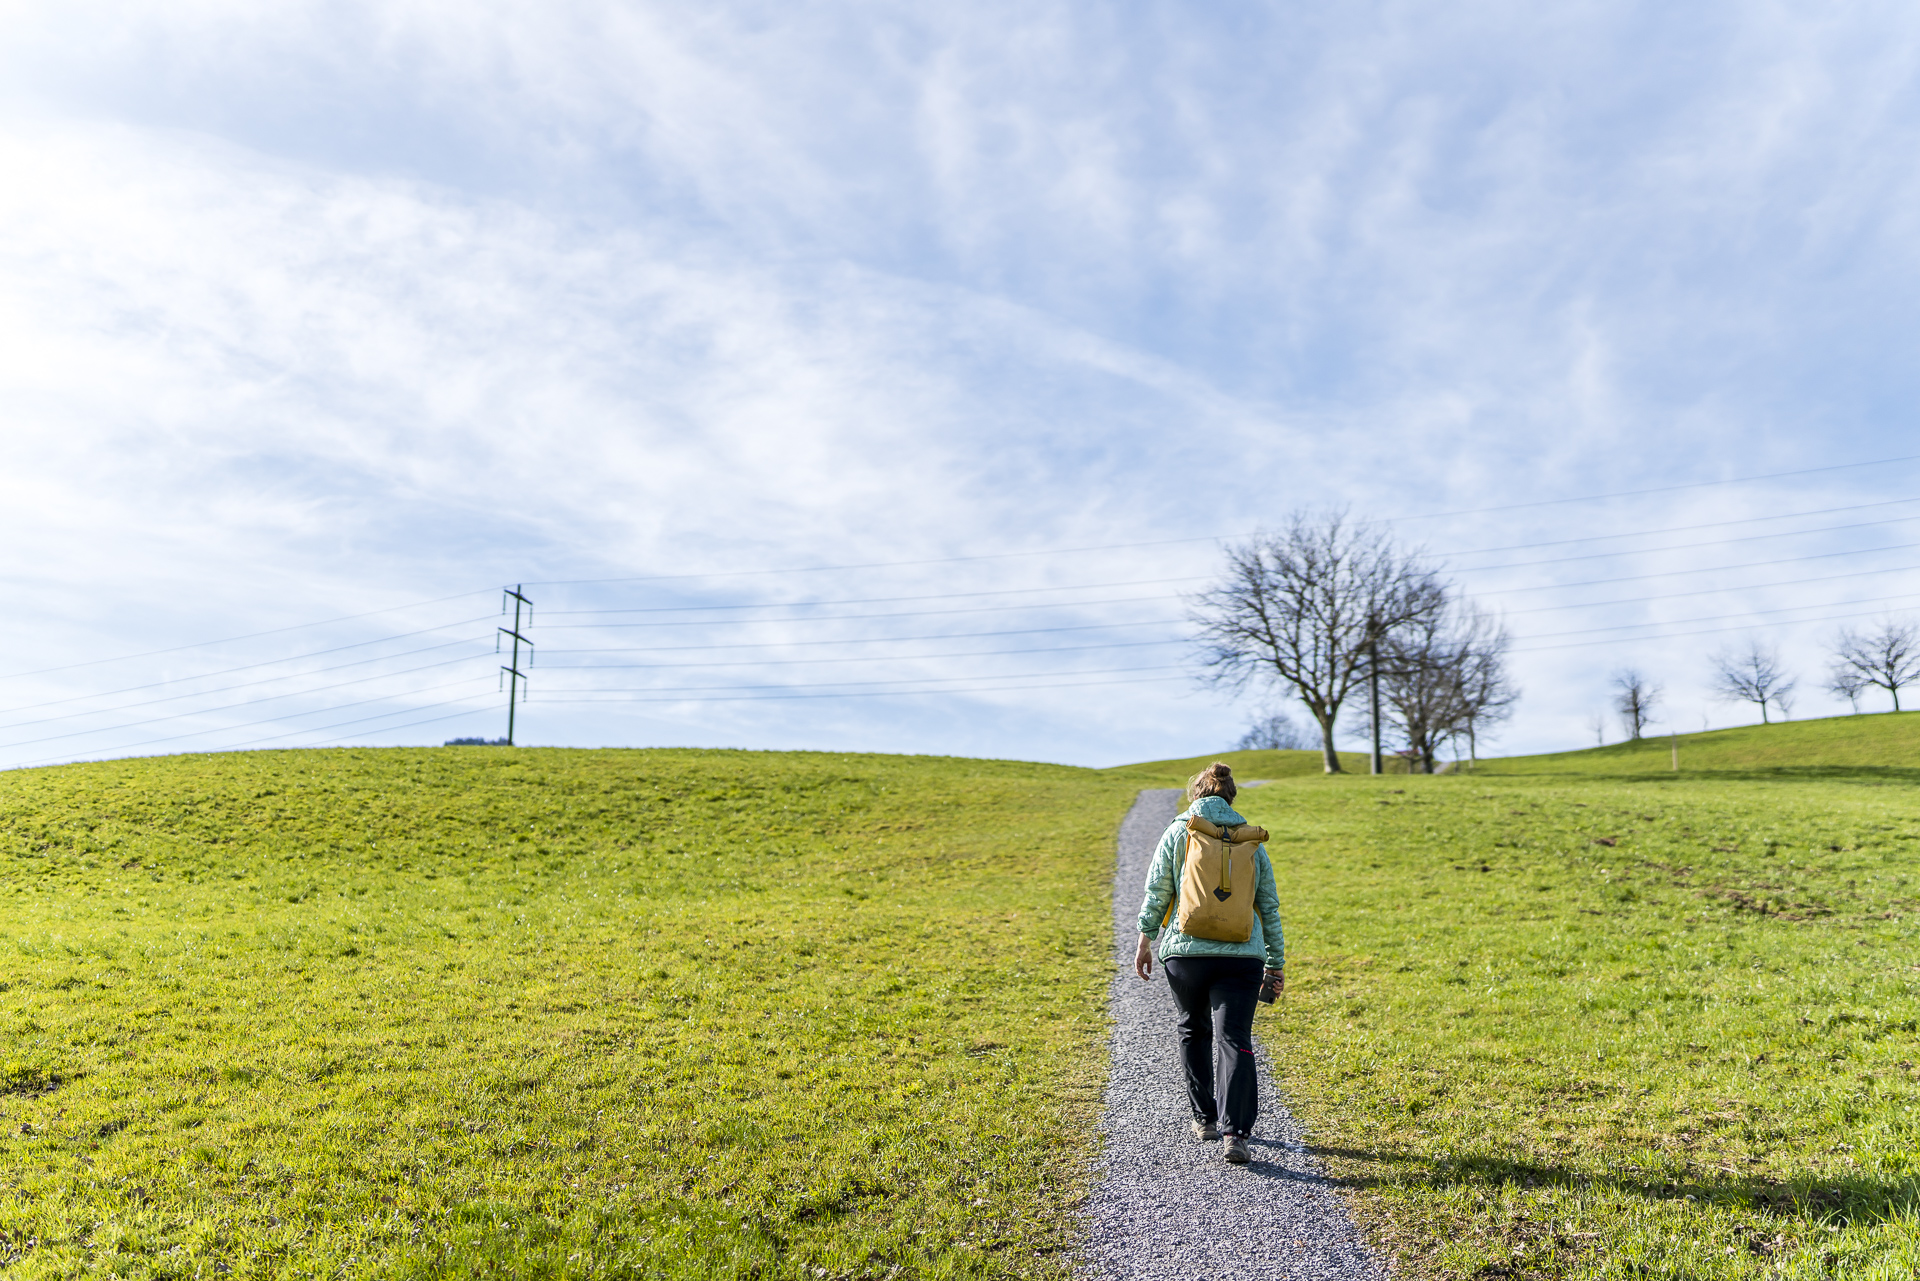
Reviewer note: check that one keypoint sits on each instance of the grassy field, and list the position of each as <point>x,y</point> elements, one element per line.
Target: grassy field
<point>1613,1025</point>
<point>487,1012</point>
<point>491,1012</point>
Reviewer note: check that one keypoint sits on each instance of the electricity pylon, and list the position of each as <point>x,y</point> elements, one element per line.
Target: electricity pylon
<point>511,675</point>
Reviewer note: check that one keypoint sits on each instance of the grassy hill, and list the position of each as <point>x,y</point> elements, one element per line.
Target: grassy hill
<point>483,1011</point>
<point>1888,741</point>
<point>1246,765</point>
<point>1878,742</point>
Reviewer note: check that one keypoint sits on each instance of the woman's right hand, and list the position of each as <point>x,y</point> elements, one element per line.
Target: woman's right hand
<point>1143,957</point>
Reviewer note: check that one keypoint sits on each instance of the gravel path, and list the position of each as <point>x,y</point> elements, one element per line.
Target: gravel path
<point>1167,1207</point>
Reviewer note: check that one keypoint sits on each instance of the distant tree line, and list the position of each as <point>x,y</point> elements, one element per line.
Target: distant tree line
<point>1327,608</point>
<point>1884,656</point>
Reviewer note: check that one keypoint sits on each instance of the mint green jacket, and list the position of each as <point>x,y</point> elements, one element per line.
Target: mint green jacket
<point>1163,886</point>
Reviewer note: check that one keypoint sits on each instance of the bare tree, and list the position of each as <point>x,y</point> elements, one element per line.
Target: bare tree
<point>1887,656</point>
<point>1299,610</point>
<point>1487,695</point>
<point>1598,724</point>
<point>1844,682</point>
<point>1273,732</point>
<point>1420,690</point>
<point>1752,675</point>
<point>1634,698</point>
<point>1444,677</point>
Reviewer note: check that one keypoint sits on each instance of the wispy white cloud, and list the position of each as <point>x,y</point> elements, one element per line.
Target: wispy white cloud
<point>388,297</point>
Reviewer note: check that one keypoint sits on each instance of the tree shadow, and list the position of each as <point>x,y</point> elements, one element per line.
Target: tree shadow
<point>1854,1199</point>
<point>1872,775</point>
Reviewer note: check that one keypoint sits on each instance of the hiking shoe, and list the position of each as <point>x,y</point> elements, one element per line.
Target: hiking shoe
<point>1205,1131</point>
<point>1234,1148</point>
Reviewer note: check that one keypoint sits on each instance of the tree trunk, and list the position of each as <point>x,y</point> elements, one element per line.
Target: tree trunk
<point>1328,757</point>
<point>1763,712</point>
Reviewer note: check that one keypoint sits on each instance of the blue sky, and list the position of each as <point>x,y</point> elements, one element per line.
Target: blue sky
<point>314,310</point>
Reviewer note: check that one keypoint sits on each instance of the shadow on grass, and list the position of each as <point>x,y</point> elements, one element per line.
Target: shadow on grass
<point>1856,1200</point>
<point>1868,774</point>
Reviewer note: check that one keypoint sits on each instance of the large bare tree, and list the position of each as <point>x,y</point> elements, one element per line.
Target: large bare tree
<point>1634,697</point>
<point>1887,656</point>
<point>1752,675</point>
<point>1302,609</point>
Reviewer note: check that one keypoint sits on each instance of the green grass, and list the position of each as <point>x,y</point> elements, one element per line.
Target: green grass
<point>1843,745</point>
<point>492,1012</point>
<point>1593,1027</point>
<point>486,1012</point>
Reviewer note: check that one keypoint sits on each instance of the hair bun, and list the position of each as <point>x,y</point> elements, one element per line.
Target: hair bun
<point>1215,780</point>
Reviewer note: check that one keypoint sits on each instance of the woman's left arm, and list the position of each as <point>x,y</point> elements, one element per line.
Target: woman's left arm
<point>1266,901</point>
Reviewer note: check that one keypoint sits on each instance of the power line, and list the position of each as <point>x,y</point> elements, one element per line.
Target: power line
<point>702,694</point>
<point>1711,569</point>
<point>224,689</point>
<point>905,658</point>
<point>880,640</point>
<point>1682,547</point>
<point>1708,631</point>
<point>1662,489</point>
<point>949,685</point>
<point>897,614</point>
<point>431,720</point>
<point>1055,604</point>
<point>1208,538</point>
<point>848,618</point>
<point>249,702</point>
<point>950,560</point>
<point>910,680</point>
<point>1148,582</point>
<point>1034,631</point>
<point>386,729</point>
<point>879,564</point>
<point>230,640</point>
<point>1709,591</point>
<point>877,640</point>
<point>271,720</point>
<point>952,685</point>
<point>1688,529</point>
<point>248,667</point>
<point>1718,618</point>
<point>343,684</point>
<point>882,600</point>
<point>895,693</point>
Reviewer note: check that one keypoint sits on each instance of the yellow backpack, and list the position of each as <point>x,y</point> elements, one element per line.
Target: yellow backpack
<point>1216,881</point>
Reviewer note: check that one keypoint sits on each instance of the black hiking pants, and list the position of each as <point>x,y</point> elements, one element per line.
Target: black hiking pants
<point>1216,996</point>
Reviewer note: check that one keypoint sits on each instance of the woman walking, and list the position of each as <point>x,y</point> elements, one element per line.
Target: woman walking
<point>1216,981</point>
